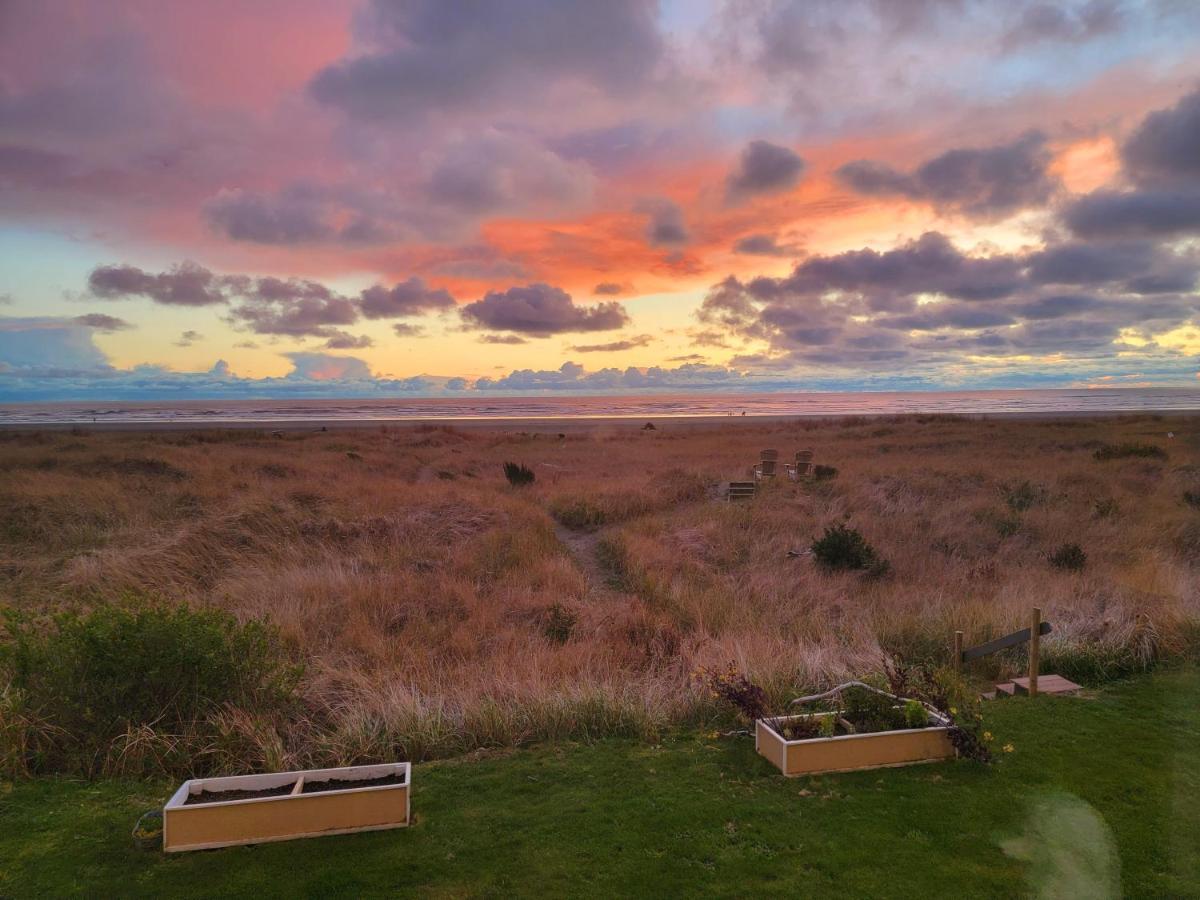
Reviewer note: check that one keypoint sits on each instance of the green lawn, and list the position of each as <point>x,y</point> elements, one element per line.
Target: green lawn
<point>1098,789</point>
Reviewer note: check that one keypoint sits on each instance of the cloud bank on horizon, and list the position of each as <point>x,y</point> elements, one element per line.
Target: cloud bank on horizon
<point>312,198</point>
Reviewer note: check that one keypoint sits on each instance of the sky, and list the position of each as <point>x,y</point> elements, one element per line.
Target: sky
<point>256,198</point>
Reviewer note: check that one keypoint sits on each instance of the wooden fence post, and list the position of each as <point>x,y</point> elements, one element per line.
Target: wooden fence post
<point>1035,641</point>
<point>958,642</point>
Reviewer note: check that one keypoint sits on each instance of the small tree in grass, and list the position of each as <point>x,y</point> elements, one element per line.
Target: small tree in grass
<point>841,548</point>
<point>1070,557</point>
<point>518,475</point>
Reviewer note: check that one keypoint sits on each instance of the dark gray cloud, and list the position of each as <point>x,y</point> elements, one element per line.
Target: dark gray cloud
<point>666,226</point>
<point>188,338</point>
<point>502,173</point>
<point>763,168</point>
<point>344,340</point>
<point>502,339</point>
<point>411,297</point>
<point>608,289</point>
<point>295,307</point>
<point>1166,146</point>
<point>572,376</point>
<point>927,303</point>
<point>1062,23</point>
<point>984,182</point>
<point>407,329</point>
<point>429,56</point>
<point>642,340</point>
<point>102,322</point>
<point>1091,263</point>
<point>297,216</point>
<point>929,264</point>
<point>185,284</point>
<point>763,245</point>
<point>1158,212</point>
<point>540,310</point>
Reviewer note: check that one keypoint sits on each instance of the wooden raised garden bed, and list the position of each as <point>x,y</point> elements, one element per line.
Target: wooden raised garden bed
<point>252,809</point>
<point>850,752</point>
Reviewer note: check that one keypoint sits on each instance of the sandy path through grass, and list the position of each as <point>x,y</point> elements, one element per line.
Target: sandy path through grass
<point>584,547</point>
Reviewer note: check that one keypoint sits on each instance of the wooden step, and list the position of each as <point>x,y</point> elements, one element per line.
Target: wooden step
<point>1047,684</point>
<point>740,490</point>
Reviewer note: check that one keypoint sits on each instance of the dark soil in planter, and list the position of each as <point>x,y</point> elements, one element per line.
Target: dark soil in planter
<point>340,784</point>
<point>225,796</point>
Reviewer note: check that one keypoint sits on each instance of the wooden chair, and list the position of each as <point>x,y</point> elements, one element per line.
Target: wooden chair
<point>803,467</point>
<point>765,469</point>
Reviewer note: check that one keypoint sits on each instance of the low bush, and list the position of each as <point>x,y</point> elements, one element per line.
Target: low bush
<point>518,475</point>
<point>824,473</point>
<point>559,623</point>
<point>1125,451</point>
<point>118,673</point>
<point>1024,496</point>
<point>843,548</point>
<point>1192,498</point>
<point>1069,556</point>
<point>578,513</point>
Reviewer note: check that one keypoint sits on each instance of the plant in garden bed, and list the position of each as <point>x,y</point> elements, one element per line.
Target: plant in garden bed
<point>736,689</point>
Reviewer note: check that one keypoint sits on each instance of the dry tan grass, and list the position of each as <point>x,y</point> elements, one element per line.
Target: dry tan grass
<point>417,584</point>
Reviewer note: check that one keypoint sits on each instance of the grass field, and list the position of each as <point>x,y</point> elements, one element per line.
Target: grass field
<point>1101,797</point>
<point>438,610</point>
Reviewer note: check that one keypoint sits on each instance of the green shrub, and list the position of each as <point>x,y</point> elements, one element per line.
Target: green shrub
<point>845,548</point>
<point>1006,527</point>
<point>868,711</point>
<point>824,473</point>
<point>1024,495</point>
<point>1069,556</point>
<point>1192,498</point>
<point>518,475</point>
<point>98,677</point>
<point>1125,451</point>
<point>559,623</point>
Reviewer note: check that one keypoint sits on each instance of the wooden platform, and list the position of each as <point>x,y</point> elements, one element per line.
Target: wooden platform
<point>1047,684</point>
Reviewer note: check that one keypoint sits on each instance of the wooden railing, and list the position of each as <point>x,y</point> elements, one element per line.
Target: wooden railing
<point>1033,634</point>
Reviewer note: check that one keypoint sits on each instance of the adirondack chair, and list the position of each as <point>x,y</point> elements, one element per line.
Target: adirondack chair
<point>803,467</point>
<point>769,462</point>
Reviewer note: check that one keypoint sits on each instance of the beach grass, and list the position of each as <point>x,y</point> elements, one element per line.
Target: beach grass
<point>1100,797</point>
<point>438,609</point>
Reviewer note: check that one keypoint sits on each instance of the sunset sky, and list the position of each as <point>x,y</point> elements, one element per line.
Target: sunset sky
<point>316,198</point>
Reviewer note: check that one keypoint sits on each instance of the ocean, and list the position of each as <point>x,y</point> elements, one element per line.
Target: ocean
<point>219,412</point>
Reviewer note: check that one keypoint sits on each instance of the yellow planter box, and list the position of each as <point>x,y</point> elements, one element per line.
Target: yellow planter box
<point>295,814</point>
<point>850,752</point>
